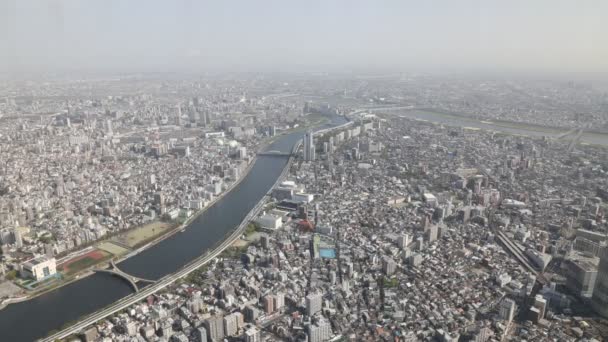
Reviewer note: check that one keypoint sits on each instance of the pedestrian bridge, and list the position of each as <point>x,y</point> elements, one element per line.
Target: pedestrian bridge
<point>132,280</point>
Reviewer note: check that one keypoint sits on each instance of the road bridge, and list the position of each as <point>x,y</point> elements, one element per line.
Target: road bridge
<point>274,153</point>
<point>132,280</point>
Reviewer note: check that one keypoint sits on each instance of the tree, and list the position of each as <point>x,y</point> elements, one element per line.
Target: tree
<point>11,275</point>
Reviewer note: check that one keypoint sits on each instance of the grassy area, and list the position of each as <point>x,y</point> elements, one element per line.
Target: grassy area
<point>252,227</point>
<point>393,282</point>
<point>140,235</point>
<point>112,248</point>
<point>233,252</point>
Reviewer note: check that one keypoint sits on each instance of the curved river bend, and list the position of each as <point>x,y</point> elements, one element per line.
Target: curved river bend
<point>35,318</point>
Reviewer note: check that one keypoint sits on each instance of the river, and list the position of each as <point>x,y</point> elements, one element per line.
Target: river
<point>35,318</point>
<point>505,127</point>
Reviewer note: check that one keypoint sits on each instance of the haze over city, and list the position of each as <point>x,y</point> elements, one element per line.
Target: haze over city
<point>303,171</point>
<point>521,36</point>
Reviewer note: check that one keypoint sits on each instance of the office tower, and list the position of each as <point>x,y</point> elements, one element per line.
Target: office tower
<point>507,309</point>
<point>215,328</point>
<point>599,301</point>
<point>309,146</point>
<point>581,276</point>
<point>314,303</point>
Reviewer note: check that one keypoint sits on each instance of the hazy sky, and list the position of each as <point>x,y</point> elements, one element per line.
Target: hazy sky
<point>547,35</point>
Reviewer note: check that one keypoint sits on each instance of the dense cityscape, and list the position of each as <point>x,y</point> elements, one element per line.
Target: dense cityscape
<point>384,227</point>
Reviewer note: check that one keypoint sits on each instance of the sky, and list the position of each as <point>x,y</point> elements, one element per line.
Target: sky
<point>311,35</point>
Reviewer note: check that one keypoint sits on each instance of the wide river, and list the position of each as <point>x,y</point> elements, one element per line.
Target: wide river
<point>509,128</point>
<point>35,318</point>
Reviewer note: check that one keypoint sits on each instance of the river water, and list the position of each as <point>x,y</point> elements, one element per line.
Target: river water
<point>522,129</point>
<point>35,318</point>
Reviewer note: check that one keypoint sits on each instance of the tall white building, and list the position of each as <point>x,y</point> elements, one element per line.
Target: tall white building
<point>178,120</point>
<point>109,130</point>
<point>309,146</point>
<point>320,331</point>
<point>314,303</point>
<point>215,328</point>
<point>230,325</point>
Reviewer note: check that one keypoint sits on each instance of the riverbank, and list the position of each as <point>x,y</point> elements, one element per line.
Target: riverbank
<point>512,124</point>
<point>511,128</point>
<point>118,258</point>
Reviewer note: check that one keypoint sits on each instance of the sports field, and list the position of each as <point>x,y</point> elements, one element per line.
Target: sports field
<point>83,261</point>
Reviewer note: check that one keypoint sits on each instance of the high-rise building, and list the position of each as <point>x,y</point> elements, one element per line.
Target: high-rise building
<point>278,301</point>
<point>201,334</point>
<point>309,146</point>
<point>230,325</point>
<point>269,304</point>
<point>389,266</point>
<point>319,331</point>
<point>541,304</point>
<point>215,328</point>
<point>581,275</point>
<point>178,120</point>
<point>404,240</point>
<point>432,232</point>
<point>109,130</point>
<point>507,309</point>
<point>251,314</point>
<point>18,238</point>
<point>241,153</point>
<point>600,292</point>
<point>314,303</point>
